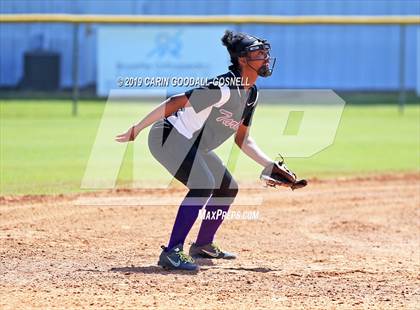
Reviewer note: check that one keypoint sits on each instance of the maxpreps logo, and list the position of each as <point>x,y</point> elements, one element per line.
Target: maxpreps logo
<point>167,45</point>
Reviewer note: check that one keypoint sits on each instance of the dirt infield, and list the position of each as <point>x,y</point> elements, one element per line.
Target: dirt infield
<point>337,244</point>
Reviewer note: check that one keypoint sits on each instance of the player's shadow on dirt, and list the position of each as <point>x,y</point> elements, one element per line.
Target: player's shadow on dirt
<point>203,267</point>
<point>156,269</point>
<point>149,270</point>
<point>255,269</point>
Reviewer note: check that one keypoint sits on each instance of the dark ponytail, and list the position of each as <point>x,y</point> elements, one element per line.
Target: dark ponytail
<point>230,40</point>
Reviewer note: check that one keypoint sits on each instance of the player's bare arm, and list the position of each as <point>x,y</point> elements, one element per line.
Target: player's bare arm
<point>248,145</point>
<point>166,108</point>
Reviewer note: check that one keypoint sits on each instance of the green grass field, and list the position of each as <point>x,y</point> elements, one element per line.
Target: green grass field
<point>45,150</point>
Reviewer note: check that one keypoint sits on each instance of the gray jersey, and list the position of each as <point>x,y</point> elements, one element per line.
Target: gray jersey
<point>216,111</point>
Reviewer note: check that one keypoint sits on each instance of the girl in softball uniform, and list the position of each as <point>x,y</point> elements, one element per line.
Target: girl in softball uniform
<point>186,128</point>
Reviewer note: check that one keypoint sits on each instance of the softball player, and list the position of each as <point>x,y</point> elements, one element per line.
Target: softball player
<point>188,127</point>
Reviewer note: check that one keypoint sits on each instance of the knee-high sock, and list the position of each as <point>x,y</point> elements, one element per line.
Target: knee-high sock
<point>209,227</point>
<point>187,215</point>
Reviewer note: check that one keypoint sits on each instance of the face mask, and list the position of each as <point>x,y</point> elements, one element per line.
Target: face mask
<point>265,70</point>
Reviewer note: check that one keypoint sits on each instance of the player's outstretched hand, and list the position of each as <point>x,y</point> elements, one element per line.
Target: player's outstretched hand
<point>126,136</point>
<point>277,174</point>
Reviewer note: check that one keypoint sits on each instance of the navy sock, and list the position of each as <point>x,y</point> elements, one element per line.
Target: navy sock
<point>187,215</point>
<point>184,221</point>
<point>209,227</point>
